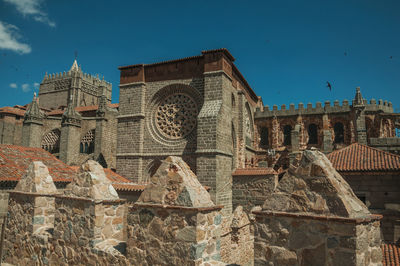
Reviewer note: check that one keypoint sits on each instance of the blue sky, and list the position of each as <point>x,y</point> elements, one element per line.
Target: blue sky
<point>286,50</point>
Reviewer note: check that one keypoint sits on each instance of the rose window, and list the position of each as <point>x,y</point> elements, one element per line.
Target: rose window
<point>176,116</point>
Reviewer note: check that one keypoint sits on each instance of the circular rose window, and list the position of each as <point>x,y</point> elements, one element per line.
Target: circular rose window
<point>176,116</point>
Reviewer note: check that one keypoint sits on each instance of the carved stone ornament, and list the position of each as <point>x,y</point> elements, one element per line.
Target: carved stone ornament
<point>176,116</point>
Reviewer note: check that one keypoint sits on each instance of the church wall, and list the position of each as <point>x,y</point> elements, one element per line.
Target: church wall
<point>53,99</point>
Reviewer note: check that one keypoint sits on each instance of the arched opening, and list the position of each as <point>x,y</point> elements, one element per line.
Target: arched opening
<point>51,141</point>
<point>286,135</point>
<point>339,132</point>
<point>87,142</point>
<point>312,134</point>
<point>264,141</point>
<point>233,100</point>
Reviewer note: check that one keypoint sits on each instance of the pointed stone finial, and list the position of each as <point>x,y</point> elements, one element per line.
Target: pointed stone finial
<point>74,66</point>
<point>71,116</point>
<point>358,99</point>
<point>33,113</point>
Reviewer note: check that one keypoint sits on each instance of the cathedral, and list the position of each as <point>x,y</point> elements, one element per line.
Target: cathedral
<point>200,108</point>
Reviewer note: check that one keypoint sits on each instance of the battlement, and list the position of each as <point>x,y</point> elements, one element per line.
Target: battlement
<point>95,80</point>
<point>372,106</point>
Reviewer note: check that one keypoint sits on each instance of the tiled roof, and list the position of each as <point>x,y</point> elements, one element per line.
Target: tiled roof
<point>14,161</point>
<point>82,109</point>
<point>391,254</point>
<point>357,157</point>
<point>12,110</point>
<point>254,171</point>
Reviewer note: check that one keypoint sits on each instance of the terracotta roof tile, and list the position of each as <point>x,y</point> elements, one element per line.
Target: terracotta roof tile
<point>358,157</point>
<point>391,254</point>
<point>15,160</point>
<point>254,171</point>
<point>82,109</point>
<point>12,110</point>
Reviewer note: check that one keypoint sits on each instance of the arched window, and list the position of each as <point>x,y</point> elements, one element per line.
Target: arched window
<point>312,134</point>
<point>286,135</point>
<point>264,142</point>
<point>51,141</point>
<point>233,100</point>
<point>87,142</point>
<point>339,132</point>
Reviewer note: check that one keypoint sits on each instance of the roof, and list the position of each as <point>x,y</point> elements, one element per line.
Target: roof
<point>12,110</point>
<point>222,50</point>
<point>254,171</point>
<point>357,157</point>
<point>15,160</point>
<point>391,254</point>
<point>82,109</point>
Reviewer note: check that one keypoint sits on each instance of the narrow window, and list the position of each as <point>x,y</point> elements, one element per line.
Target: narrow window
<point>286,135</point>
<point>339,132</point>
<point>312,134</point>
<point>264,137</point>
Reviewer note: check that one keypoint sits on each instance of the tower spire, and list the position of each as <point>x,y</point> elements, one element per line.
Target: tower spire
<point>74,66</point>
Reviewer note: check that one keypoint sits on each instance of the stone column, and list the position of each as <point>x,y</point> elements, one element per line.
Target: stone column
<point>131,126</point>
<point>326,135</point>
<point>105,134</point>
<point>214,139</point>
<point>359,114</point>
<point>70,134</point>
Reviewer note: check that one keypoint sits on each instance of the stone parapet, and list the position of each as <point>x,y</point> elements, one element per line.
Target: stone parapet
<point>171,235</point>
<point>287,239</point>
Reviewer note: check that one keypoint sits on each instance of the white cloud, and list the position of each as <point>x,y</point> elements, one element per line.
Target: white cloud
<point>32,8</point>
<point>26,87</point>
<point>13,85</point>
<point>36,85</point>
<point>9,39</point>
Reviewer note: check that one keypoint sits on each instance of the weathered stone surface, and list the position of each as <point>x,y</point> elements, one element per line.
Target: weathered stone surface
<point>175,184</point>
<point>37,179</point>
<point>315,187</point>
<point>92,182</point>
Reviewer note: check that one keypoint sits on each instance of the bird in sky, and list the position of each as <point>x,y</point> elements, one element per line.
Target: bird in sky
<point>328,85</point>
<point>345,53</point>
<point>390,57</point>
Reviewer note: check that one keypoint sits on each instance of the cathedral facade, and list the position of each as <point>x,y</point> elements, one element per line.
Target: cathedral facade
<point>200,108</point>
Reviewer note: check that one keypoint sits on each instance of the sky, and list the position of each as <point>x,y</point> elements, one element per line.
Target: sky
<point>287,50</point>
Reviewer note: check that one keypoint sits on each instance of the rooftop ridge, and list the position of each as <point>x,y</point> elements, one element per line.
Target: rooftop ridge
<point>367,147</point>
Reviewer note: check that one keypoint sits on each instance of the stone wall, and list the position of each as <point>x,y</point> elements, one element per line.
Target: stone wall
<point>314,218</point>
<point>237,239</point>
<point>165,235</point>
<point>251,190</point>
<point>62,230</point>
<point>285,239</point>
<point>378,191</point>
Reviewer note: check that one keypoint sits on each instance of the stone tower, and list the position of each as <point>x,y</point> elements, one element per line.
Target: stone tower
<point>32,126</point>
<point>56,89</point>
<point>70,129</point>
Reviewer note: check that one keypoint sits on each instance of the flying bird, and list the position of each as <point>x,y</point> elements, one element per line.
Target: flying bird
<point>390,57</point>
<point>328,85</point>
<point>345,53</point>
